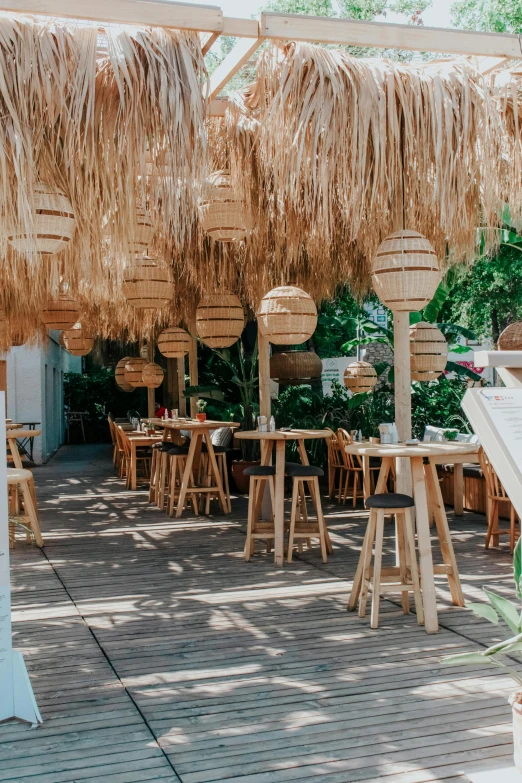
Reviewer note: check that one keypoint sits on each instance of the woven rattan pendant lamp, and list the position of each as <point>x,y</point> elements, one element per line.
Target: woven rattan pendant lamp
<point>119,375</point>
<point>152,375</point>
<point>287,315</point>
<point>360,377</point>
<point>173,343</point>
<point>511,337</point>
<point>147,284</point>
<point>428,352</point>
<point>295,368</point>
<point>77,341</point>
<point>134,372</point>
<point>61,312</point>
<point>223,213</point>
<point>53,223</point>
<point>220,319</point>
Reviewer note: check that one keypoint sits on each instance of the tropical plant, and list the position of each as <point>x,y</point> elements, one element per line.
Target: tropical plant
<point>498,609</point>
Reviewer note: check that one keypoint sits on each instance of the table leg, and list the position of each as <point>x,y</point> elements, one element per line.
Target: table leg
<point>458,489</point>
<point>13,448</point>
<point>424,544</point>
<point>185,481</point>
<point>133,443</point>
<point>215,470</point>
<point>267,509</point>
<point>304,459</point>
<point>279,509</point>
<point>367,475</point>
<point>443,531</point>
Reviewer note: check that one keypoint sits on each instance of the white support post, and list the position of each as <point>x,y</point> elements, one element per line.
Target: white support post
<point>402,383</point>
<point>16,694</point>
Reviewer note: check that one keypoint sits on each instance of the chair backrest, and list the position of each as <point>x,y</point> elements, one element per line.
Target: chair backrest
<point>345,439</point>
<point>222,437</point>
<point>123,441</point>
<point>493,484</point>
<point>335,456</point>
<point>111,430</point>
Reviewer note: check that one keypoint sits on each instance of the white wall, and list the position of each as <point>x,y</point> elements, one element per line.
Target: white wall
<point>35,390</point>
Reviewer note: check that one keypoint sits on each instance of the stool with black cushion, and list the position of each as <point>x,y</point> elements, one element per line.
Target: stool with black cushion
<point>404,576</point>
<point>157,450</point>
<point>177,460</point>
<point>205,474</point>
<point>301,526</point>
<point>259,529</point>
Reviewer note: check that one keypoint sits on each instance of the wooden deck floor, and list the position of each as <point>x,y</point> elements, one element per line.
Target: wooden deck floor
<point>157,654</point>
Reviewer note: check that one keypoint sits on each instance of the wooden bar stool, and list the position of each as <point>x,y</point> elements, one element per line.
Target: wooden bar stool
<point>20,480</point>
<point>404,577</point>
<point>301,526</point>
<point>259,529</point>
<point>205,476</point>
<point>157,471</point>
<point>177,460</point>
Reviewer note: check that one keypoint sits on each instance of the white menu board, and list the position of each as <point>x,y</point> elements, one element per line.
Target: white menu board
<point>16,695</point>
<point>496,416</point>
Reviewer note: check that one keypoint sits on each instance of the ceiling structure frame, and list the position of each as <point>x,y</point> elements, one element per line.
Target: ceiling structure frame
<point>492,50</point>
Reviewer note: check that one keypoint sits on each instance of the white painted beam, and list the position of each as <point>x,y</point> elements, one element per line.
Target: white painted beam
<point>232,63</point>
<point>388,36</point>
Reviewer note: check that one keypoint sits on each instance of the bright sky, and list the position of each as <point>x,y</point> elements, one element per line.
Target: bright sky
<point>437,16</point>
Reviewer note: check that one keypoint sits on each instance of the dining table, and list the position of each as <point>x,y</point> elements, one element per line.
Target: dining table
<point>139,440</point>
<point>200,434</point>
<point>423,458</point>
<point>12,434</point>
<point>279,439</point>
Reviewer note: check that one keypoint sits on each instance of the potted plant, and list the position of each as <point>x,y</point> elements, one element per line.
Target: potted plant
<point>501,609</point>
<point>201,405</point>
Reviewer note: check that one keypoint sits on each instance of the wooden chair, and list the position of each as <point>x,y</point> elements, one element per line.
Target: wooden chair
<point>404,577</point>
<point>143,459</point>
<point>121,463</point>
<point>352,470</point>
<point>259,529</point>
<point>301,526</point>
<point>336,465</point>
<point>115,447</point>
<point>21,482</point>
<point>496,494</point>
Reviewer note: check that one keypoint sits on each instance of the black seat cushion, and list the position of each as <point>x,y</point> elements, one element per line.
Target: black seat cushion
<point>217,449</point>
<point>389,500</point>
<point>260,470</point>
<point>178,450</point>
<point>304,471</point>
<point>162,446</point>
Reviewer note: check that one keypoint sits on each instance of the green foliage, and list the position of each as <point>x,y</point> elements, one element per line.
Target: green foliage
<point>439,404</point>
<point>97,393</point>
<point>337,322</point>
<point>500,16</point>
<point>499,608</point>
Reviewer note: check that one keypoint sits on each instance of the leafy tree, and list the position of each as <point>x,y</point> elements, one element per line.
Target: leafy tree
<point>500,16</point>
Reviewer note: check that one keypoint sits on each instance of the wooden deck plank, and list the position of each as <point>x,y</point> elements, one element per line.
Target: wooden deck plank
<point>157,654</point>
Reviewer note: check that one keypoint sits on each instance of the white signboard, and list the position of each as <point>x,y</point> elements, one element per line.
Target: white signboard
<point>496,417</point>
<point>333,370</point>
<point>16,695</point>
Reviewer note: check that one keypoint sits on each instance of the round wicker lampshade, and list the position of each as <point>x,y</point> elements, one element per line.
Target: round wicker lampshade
<point>147,285</point>
<point>153,375</point>
<point>428,352</point>
<point>287,315</point>
<point>4,336</point>
<point>17,339</point>
<point>295,367</point>
<point>406,271</point>
<point>53,222</point>
<point>220,320</point>
<point>360,377</point>
<point>223,212</point>
<point>511,338</point>
<point>62,312</point>
<point>143,233</point>
<point>134,372</point>
<point>77,341</point>
<point>174,343</point>
<point>119,375</point>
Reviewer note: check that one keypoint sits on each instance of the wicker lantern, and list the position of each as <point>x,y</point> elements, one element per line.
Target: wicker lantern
<point>287,315</point>
<point>360,377</point>
<point>77,341</point>
<point>147,285</point>
<point>220,320</point>
<point>134,372</point>
<point>62,312</point>
<point>406,271</point>
<point>428,352</point>
<point>18,338</point>
<point>174,343</point>
<point>223,212</point>
<point>511,338</point>
<point>53,222</point>
<point>143,233</point>
<point>295,367</point>
<point>119,375</point>
<point>153,375</point>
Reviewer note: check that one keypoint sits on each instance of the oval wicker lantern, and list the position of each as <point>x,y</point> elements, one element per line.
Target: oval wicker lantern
<point>220,320</point>
<point>147,285</point>
<point>153,375</point>
<point>53,222</point>
<point>406,271</point>
<point>119,375</point>
<point>287,315</point>
<point>223,213</point>
<point>62,312</point>
<point>134,372</point>
<point>428,352</point>
<point>295,367</point>
<point>77,341</point>
<point>511,338</point>
<point>143,233</point>
<point>173,343</point>
<point>360,377</point>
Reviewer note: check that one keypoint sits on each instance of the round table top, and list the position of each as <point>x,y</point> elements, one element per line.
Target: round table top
<point>11,425</point>
<point>283,435</point>
<point>18,433</point>
<point>420,450</point>
<point>192,424</point>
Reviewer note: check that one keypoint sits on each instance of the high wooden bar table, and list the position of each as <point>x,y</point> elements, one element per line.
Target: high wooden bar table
<point>427,496</point>
<point>280,438</point>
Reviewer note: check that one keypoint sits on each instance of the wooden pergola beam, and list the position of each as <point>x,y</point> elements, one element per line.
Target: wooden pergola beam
<point>232,63</point>
<point>320,29</point>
